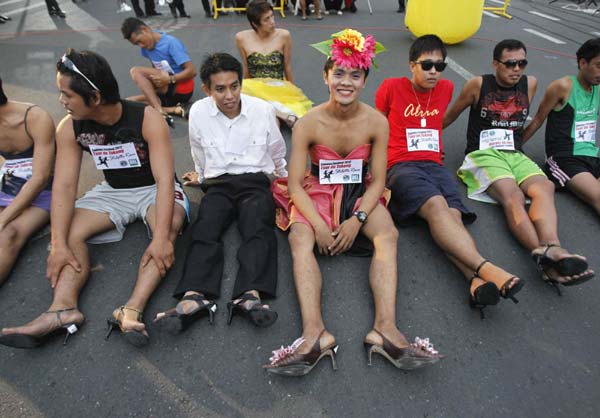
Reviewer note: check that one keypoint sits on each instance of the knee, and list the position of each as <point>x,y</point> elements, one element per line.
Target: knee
<point>542,189</point>
<point>135,73</point>
<point>301,243</point>
<point>386,239</point>
<point>513,199</point>
<point>434,207</point>
<point>9,238</point>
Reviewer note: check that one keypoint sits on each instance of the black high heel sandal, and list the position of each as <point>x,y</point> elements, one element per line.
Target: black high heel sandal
<point>177,321</point>
<point>32,341</point>
<point>484,295</point>
<point>132,336</point>
<point>257,314</point>
<point>555,283</point>
<point>505,291</point>
<point>567,266</point>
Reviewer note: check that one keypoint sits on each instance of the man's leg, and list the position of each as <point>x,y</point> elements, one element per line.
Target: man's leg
<point>148,276</point>
<point>137,9</point>
<point>586,187</point>
<point>307,277</point>
<point>142,78</point>
<point>86,224</point>
<point>14,236</point>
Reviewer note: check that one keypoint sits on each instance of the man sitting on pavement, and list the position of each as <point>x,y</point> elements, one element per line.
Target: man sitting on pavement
<point>133,140</point>
<point>495,166</point>
<point>169,85</point>
<point>421,186</point>
<point>236,145</point>
<point>571,106</point>
<point>329,210</point>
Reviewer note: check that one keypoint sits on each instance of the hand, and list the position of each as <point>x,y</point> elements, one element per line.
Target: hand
<point>345,235</point>
<point>160,80</point>
<point>59,258</point>
<point>324,239</point>
<point>191,179</point>
<point>163,254</point>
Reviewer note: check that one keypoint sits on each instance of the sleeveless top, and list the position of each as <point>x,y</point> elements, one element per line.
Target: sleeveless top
<point>128,129</point>
<point>571,131</point>
<point>265,65</point>
<point>12,184</point>
<point>498,108</point>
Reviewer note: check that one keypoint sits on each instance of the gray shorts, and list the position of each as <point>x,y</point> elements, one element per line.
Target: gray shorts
<point>124,206</point>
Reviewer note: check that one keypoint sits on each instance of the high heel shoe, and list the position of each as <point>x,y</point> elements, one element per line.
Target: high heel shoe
<point>286,362</point>
<point>418,354</point>
<point>176,320</point>
<point>32,341</point>
<point>582,278</point>
<point>567,266</point>
<point>506,291</point>
<point>257,314</point>
<point>133,336</point>
<point>484,295</point>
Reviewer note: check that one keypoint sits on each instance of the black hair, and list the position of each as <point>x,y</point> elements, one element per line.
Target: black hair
<point>255,10</point>
<point>330,63</point>
<point>426,43</point>
<point>509,45</point>
<point>130,26</point>
<point>3,98</point>
<point>589,50</point>
<point>96,68</point>
<point>219,62</point>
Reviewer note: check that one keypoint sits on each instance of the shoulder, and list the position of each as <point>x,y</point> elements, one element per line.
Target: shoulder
<point>35,114</point>
<point>242,35</point>
<point>373,116</point>
<point>256,104</point>
<point>199,108</point>
<point>446,84</point>
<point>284,33</point>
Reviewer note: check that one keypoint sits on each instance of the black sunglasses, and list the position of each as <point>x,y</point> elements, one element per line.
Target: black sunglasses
<point>428,64</point>
<point>513,63</point>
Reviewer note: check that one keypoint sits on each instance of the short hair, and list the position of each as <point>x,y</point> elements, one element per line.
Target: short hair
<point>426,43</point>
<point>96,68</point>
<point>589,50</point>
<point>330,63</point>
<point>509,45</point>
<point>255,10</point>
<point>219,62</point>
<point>3,98</point>
<point>130,26</point>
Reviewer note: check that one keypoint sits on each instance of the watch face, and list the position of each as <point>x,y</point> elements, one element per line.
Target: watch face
<point>362,216</point>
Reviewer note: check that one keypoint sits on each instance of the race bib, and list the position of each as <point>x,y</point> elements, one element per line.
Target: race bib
<point>111,157</point>
<point>501,139</point>
<point>423,140</point>
<point>21,167</point>
<point>163,66</point>
<point>585,131</point>
<point>340,171</point>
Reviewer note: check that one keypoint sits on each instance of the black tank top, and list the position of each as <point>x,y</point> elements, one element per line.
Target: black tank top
<point>127,129</point>
<point>498,108</point>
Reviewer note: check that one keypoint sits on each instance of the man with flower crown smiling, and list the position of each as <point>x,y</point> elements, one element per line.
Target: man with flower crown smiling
<point>422,188</point>
<point>339,206</point>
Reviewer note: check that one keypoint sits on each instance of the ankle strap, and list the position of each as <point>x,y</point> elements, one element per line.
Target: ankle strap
<point>479,267</point>
<point>123,308</point>
<point>58,312</point>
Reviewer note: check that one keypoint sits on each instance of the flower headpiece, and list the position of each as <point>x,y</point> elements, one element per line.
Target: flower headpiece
<point>349,48</point>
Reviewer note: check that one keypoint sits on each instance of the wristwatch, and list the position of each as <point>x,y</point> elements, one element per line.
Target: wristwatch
<point>361,216</point>
<point>172,79</point>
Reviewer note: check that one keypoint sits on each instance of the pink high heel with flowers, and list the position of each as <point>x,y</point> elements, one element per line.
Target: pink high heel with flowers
<point>418,354</point>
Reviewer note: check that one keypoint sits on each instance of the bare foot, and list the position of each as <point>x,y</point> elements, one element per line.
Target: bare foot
<point>129,320</point>
<point>327,340</point>
<point>503,280</point>
<point>392,333</point>
<point>553,276</point>
<point>47,322</point>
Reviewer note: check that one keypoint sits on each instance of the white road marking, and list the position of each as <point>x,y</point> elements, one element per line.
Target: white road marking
<point>22,9</point>
<point>459,69</point>
<point>595,33</point>
<point>543,35</point>
<point>533,12</point>
<point>498,2</point>
<point>490,14</point>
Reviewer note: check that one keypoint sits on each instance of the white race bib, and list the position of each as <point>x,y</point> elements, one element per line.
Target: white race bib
<point>163,66</point>
<point>502,139</point>
<point>585,131</point>
<point>340,171</point>
<point>423,140</point>
<point>110,157</point>
<point>21,167</point>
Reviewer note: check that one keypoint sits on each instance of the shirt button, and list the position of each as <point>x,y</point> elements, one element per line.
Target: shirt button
<point>234,158</point>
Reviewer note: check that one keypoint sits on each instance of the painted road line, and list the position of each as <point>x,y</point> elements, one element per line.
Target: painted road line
<point>459,69</point>
<point>6,3</point>
<point>22,9</point>
<point>543,35</point>
<point>497,2</point>
<point>490,14</point>
<point>595,33</point>
<point>533,12</point>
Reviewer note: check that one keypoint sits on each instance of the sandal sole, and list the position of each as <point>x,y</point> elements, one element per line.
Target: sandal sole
<point>262,318</point>
<point>20,341</point>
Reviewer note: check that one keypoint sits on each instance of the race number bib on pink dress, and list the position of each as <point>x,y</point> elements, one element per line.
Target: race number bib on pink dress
<point>340,171</point>
<point>21,167</point>
<point>111,157</point>
<point>585,131</point>
<point>422,140</point>
<point>501,139</point>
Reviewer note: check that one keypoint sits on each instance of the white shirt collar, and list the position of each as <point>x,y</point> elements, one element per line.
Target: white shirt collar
<point>214,109</point>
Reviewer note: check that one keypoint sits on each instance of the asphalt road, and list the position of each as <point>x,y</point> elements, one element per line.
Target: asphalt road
<point>538,358</point>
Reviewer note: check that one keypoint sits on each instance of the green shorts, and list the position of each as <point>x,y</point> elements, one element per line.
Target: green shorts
<point>483,167</point>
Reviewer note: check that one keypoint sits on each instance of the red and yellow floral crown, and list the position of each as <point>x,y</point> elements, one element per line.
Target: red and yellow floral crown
<point>350,49</point>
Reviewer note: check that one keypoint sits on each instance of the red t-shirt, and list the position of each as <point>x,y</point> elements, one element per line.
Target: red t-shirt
<point>415,127</point>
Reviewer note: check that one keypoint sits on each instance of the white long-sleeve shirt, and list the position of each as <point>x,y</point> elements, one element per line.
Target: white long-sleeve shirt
<point>248,143</point>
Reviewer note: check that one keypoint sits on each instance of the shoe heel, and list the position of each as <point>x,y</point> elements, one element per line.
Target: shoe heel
<point>230,308</point>
<point>332,354</point>
<point>111,325</point>
<point>69,329</point>
<point>211,316</point>
<point>474,305</point>
<point>369,349</point>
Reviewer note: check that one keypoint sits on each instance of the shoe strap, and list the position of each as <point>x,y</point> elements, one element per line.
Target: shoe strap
<point>124,308</point>
<point>478,269</point>
<point>58,312</point>
<point>548,246</point>
<point>201,299</point>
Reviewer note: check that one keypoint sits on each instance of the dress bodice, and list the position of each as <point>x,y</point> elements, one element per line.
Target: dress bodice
<point>266,65</point>
<point>323,152</point>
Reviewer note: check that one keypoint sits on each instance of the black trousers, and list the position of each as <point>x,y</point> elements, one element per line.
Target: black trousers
<point>52,6</point>
<point>177,5</point>
<point>148,5</point>
<point>246,198</point>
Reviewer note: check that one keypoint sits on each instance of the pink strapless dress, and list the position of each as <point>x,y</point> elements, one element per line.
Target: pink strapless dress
<point>327,198</point>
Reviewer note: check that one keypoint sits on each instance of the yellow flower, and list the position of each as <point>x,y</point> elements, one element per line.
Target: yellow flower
<point>353,38</point>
